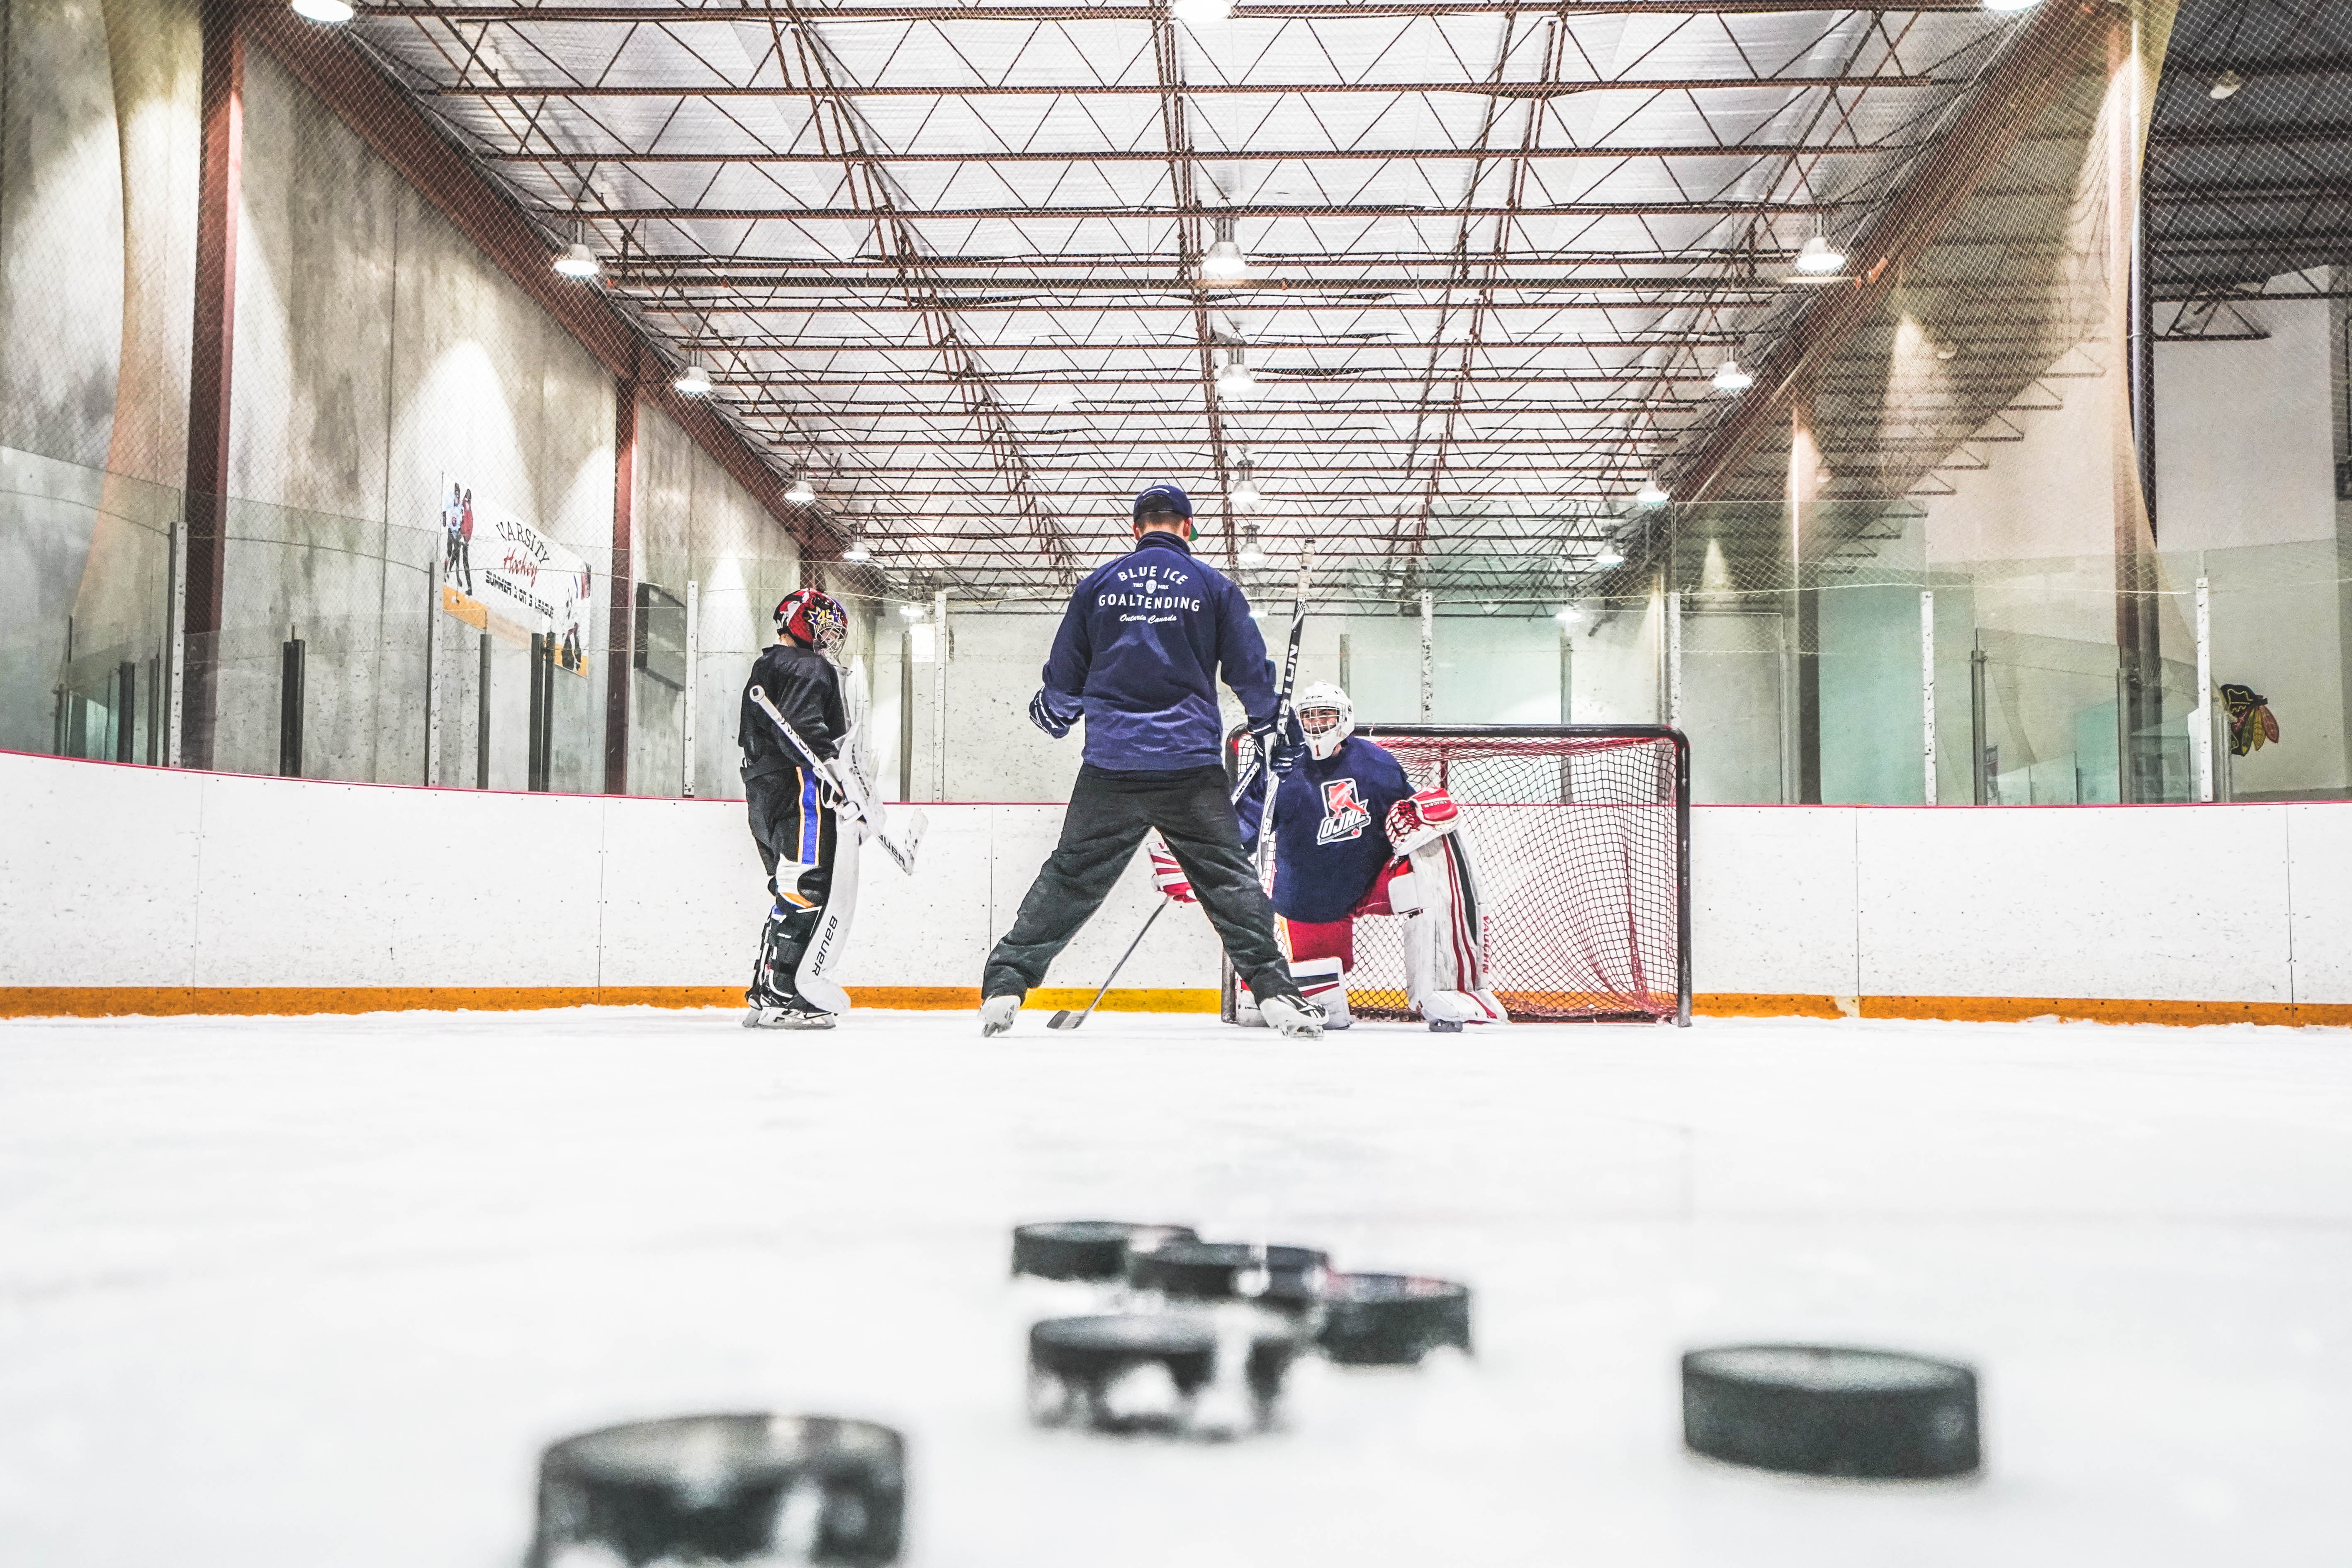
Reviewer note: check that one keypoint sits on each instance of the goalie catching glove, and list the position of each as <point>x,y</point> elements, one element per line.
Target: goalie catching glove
<point>1421,818</point>
<point>1167,876</point>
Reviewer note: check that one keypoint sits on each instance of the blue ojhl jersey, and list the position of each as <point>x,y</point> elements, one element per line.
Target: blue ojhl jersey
<point>1139,650</point>
<point>1330,828</point>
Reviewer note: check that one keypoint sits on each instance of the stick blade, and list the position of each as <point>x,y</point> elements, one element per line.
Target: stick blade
<point>1067,1018</point>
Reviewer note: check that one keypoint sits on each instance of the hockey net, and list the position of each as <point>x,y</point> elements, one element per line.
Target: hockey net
<point>1578,843</point>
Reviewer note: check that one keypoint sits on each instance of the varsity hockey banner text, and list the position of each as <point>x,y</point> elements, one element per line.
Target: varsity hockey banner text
<point>501,574</point>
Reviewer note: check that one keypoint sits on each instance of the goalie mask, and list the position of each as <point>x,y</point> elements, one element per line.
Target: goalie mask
<point>1325,718</point>
<point>808,615</point>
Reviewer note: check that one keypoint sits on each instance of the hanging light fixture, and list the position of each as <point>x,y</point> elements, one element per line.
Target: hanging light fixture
<point>910,612</point>
<point>2226,85</point>
<point>1245,492</point>
<point>855,550</point>
<point>800,492</point>
<point>1223,260</point>
<point>2011,4</point>
<point>1568,615</point>
<point>1234,377</point>
<point>1819,258</point>
<point>1252,553</point>
<point>694,381</point>
<point>333,13</point>
<point>1650,494</point>
<point>1729,377</point>
<point>1610,556</point>
<point>578,261</point>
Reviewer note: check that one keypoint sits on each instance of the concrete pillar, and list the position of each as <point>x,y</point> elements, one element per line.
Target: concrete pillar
<point>210,354</point>
<point>1806,484</point>
<point>2139,686</point>
<point>619,640</point>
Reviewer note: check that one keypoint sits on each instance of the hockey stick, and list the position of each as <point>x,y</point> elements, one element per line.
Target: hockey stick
<point>1066,1019</point>
<point>1282,713</point>
<point>1258,762</point>
<point>904,856</point>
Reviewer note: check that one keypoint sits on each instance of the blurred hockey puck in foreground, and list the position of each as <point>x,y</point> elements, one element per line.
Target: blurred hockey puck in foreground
<point>1284,1277</point>
<point>1391,1319</point>
<point>723,1488</point>
<point>1086,1248</point>
<point>1150,1372</point>
<point>1825,1410</point>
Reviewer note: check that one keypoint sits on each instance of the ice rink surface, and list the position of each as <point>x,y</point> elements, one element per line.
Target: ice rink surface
<point>313,1292</point>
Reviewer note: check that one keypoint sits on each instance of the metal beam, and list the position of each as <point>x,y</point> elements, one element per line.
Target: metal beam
<point>1251,155</point>
<point>510,90</point>
<point>1339,10</point>
<point>1195,210</point>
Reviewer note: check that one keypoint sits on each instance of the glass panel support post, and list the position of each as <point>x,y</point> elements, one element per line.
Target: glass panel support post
<point>1428,654</point>
<point>2201,733</point>
<point>175,631</point>
<point>1674,660</point>
<point>940,695</point>
<point>1928,695</point>
<point>1979,771</point>
<point>693,644</point>
<point>432,673</point>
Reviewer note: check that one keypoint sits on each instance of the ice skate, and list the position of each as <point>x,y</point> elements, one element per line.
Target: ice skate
<point>1292,1018</point>
<point>996,1015</point>
<point>787,1015</point>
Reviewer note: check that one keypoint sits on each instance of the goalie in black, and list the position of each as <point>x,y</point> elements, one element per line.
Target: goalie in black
<point>792,800</point>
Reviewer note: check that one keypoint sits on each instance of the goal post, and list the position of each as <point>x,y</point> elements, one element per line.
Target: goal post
<point>1579,840</point>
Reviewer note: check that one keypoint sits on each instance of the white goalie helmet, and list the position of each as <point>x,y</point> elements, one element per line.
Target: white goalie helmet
<point>1325,718</point>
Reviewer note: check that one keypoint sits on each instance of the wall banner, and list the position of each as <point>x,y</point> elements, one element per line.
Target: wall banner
<point>501,575</point>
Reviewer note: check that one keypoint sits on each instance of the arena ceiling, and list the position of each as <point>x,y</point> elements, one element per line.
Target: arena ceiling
<point>947,259</point>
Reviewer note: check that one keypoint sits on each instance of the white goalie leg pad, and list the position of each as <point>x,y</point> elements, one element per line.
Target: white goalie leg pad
<point>1445,953</point>
<point>1322,982</point>
<point>826,943</point>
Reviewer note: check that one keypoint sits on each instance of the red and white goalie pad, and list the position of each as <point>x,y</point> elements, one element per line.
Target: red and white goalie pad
<point>1167,876</point>
<point>1444,946</point>
<point>1419,819</point>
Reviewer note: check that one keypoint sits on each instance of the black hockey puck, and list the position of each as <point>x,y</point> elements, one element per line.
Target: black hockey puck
<point>1445,1026</point>
<point>1391,1319</point>
<point>1826,1410</point>
<point>1230,1271</point>
<point>726,1488</point>
<point>1086,1248</point>
<point>1075,1366</point>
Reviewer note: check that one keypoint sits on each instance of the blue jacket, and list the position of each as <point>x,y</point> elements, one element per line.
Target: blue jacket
<point>1330,828</point>
<point>1139,654</point>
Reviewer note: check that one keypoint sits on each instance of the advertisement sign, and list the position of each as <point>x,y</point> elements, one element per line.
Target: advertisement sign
<point>501,575</point>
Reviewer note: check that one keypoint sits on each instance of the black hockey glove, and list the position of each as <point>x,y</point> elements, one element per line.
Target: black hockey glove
<point>1047,716</point>
<point>1281,755</point>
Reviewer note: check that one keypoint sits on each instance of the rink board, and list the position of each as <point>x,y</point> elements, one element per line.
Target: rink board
<point>144,889</point>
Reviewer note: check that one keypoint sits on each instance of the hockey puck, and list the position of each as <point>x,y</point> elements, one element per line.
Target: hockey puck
<point>1445,1026</point>
<point>1230,1271</point>
<point>1083,1370</point>
<point>724,1489</point>
<point>1826,1410</point>
<point>1391,1319</point>
<point>1086,1248</point>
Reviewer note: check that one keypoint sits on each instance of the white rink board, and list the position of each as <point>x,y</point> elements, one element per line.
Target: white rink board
<point>113,876</point>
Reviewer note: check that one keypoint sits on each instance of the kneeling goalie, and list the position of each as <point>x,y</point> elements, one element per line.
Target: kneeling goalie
<point>1353,837</point>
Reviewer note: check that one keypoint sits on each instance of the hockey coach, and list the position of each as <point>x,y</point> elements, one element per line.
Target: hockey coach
<point>1136,657</point>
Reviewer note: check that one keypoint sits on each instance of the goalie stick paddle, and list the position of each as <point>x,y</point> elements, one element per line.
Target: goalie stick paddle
<point>903,856</point>
<point>1068,1019</point>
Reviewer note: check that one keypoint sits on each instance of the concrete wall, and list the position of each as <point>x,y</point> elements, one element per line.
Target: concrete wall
<point>148,879</point>
<point>97,200</point>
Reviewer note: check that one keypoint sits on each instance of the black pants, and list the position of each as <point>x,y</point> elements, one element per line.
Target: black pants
<point>1108,815</point>
<point>794,833</point>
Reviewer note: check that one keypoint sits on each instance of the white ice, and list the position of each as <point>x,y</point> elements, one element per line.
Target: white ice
<point>314,1292</point>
